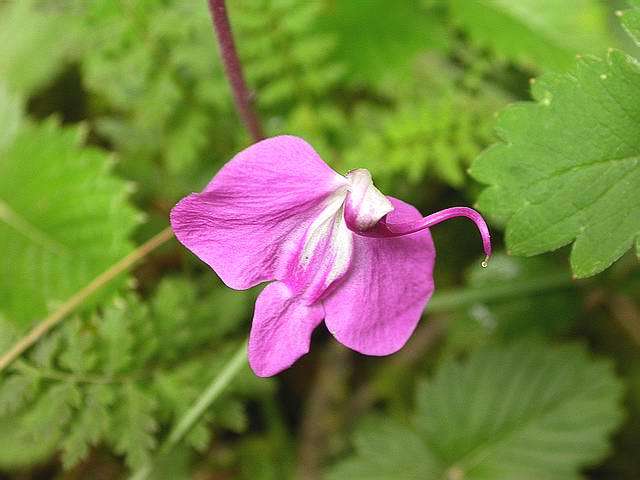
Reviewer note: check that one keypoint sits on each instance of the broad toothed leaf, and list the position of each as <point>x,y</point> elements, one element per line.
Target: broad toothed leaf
<point>569,167</point>
<point>526,412</point>
<point>63,219</point>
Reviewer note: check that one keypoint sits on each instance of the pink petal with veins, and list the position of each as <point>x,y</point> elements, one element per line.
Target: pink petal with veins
<point>377,305</point>
<point>253,214</point>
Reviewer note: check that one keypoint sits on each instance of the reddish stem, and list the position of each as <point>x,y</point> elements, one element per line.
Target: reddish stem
<point>241,94</point>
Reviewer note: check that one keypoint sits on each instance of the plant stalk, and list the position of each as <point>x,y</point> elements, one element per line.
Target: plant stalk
<point>233,68</point>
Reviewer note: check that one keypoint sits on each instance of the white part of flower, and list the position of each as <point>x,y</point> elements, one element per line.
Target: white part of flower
<point>327,250</point>
<point>365,204</point>
<point>324,225</point>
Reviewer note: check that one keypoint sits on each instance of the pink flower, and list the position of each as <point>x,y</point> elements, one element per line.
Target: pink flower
<point>336,249</point>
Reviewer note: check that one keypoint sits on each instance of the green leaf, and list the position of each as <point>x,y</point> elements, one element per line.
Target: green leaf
<point>15,391</point>
<point>381,47</point>
<point>89,426</point>
<point>539,33</point>
<point>134,426</point>
<point>434,136</point>
<point>78,354</point>
<point>18,450</point>
<point>387,450</point>
<point>117,338</point>
<point>10,116</point>
<point>63,219</point>
<point>51,413</point>
<point>124,378</point>
<point>631,20</point>
<point>286,58</point>
<point>569,167</point>
<point>526,412</point>
<point>28,29</point>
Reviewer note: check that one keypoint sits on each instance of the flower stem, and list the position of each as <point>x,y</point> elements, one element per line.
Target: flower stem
<point>198,409</point>
<point>241,94</point>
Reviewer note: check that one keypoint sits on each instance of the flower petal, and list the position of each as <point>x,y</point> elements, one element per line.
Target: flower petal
<point>324,255</point>
<point>281,329</point>
<point>252,215</point>
<point>365,204</point>
<point>377,305</point>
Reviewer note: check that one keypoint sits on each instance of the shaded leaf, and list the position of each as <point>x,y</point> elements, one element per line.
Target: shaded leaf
<point>539,33</point>
<point>526,411</point>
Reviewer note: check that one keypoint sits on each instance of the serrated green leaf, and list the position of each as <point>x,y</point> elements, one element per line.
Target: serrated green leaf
<point>526,412</point>
<point>434,136</point>
<point>186,316</point>
<point>117,338</point>
<point>570,165</point>
<point>116,385</point>
<point>16,390</point>
<point>386,451</point>
<point>285,56</point>
<point>89,426</point>
<point>18,450</point>
<point>134,426</point>
<point>63,219</point>
<point>51,413</point>
<point>539,33</point>
<point>78,354</point>
<point>46,350</point>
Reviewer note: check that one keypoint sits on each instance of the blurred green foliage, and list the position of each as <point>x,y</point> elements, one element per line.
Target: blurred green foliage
<point>111,110</point>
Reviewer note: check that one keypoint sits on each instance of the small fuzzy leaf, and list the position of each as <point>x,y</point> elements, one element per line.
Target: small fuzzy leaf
<point>89,426</point>
<point>15,391</point>
<point>134,426</point>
